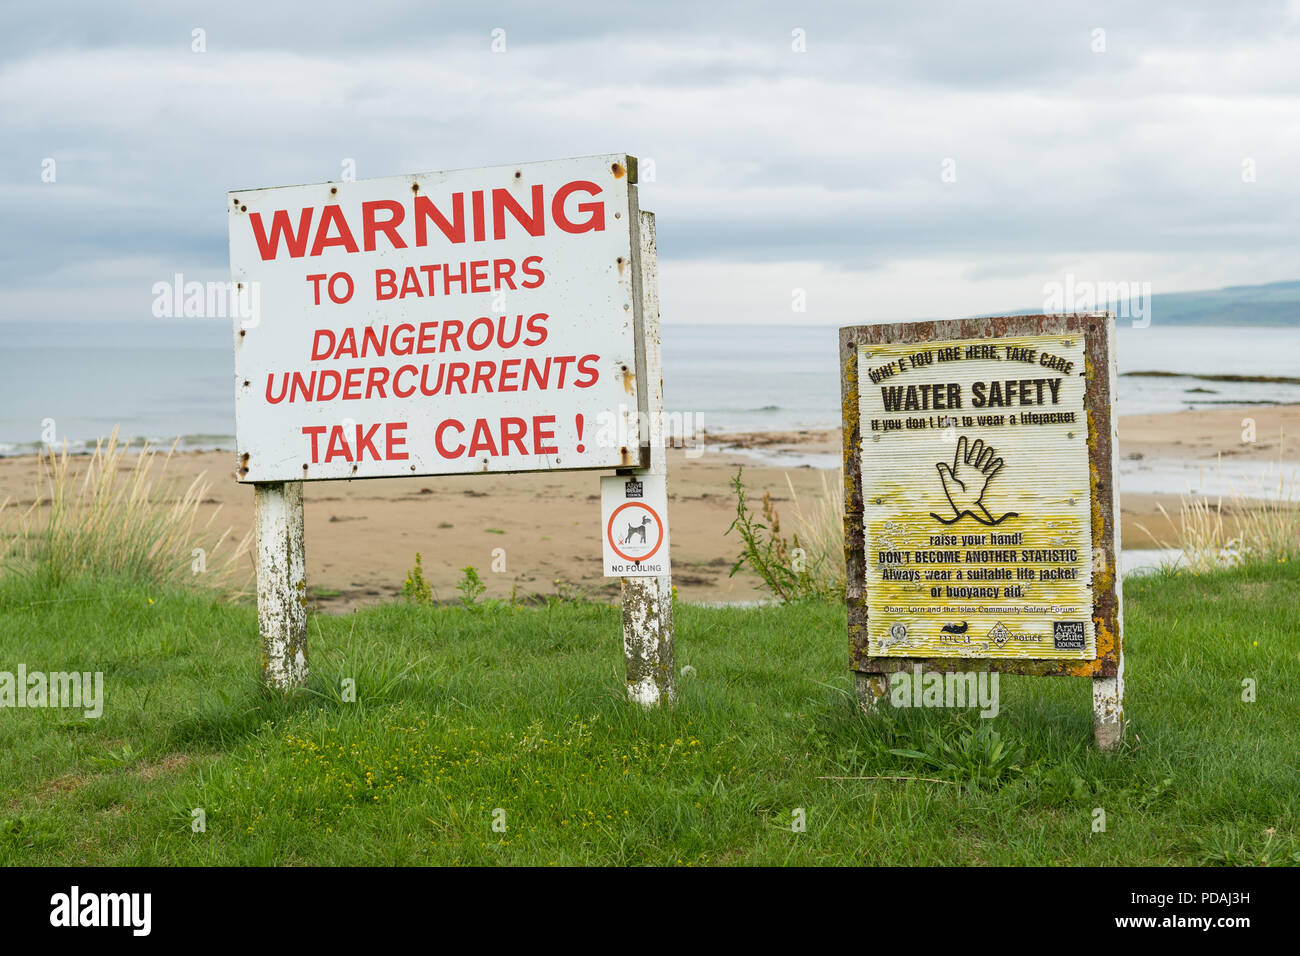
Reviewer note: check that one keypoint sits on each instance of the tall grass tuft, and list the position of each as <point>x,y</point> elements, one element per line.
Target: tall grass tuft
<point>127,520</point>
<point>820,529</point>
<point>1264,526</point>
<point>808,565</point>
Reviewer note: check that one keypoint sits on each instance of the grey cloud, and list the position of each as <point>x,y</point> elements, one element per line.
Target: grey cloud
<point>762,154</point>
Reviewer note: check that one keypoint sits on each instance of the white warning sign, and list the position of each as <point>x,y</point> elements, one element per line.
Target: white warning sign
<point>634,525</point>
<point>440,323</point>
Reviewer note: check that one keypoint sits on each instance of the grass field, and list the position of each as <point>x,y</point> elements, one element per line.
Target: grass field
<point>460,713</point>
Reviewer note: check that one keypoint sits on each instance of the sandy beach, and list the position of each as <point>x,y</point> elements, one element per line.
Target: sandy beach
<point>362,536</point>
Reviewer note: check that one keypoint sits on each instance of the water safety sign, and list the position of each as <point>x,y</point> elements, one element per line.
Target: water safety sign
<point>977,498</point>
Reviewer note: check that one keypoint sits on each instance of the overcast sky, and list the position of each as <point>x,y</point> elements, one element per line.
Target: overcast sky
<point>774,169</point>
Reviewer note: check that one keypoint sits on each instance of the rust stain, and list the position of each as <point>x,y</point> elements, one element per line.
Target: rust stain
<point>618,170</point>
<point>243,465</point>
<point>849,412</point>
<point>629,380</point>
<point>1104,580</point>
<point>854,556</point>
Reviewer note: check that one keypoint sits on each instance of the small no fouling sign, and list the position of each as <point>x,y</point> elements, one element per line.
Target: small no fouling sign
<point>635,525</point>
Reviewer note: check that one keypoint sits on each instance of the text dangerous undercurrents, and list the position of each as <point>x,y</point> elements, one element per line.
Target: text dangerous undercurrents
<point>440,378</point>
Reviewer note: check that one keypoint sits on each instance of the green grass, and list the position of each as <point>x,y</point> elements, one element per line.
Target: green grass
<point>463,711</point>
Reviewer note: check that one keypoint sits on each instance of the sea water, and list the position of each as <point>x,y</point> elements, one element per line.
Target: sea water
<point>166,379</point>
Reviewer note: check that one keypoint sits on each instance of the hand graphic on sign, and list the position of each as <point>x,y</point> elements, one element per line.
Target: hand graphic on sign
<point>967,478</point>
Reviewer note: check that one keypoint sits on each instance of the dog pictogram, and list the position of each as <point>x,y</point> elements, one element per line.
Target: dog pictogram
<point>635,529</point>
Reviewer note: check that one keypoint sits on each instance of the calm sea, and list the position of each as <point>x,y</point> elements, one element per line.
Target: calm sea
<point>168,378</point>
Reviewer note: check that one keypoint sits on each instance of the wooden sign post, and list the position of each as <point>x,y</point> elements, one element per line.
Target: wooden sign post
<point>648,601</point>
<point>476,321</point>
<point>981,526</point>
<point>281,583</point>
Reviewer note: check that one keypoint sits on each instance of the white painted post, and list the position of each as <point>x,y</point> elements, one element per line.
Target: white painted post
<point>648,602</point>
<point>281,583</point>
<point>873,692</point>
<point>1108,709</point>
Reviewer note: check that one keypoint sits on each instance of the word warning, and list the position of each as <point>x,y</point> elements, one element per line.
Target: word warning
<point>634,521</point>
<point>977,498</point>
<point>442,323</point>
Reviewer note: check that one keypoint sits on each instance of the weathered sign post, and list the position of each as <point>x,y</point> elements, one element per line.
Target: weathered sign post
<point>477,321</point>
<point>981,522</point>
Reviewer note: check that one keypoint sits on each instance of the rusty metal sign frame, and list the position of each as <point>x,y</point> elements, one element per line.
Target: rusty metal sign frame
<point>1099,402</point>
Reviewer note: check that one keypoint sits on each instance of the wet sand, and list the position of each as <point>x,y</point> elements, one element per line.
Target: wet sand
<point>362,536</point>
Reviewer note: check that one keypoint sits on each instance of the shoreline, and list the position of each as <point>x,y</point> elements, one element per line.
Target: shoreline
<point>362,536</point>
<point>730,438</point>
<point>1207,377</point>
